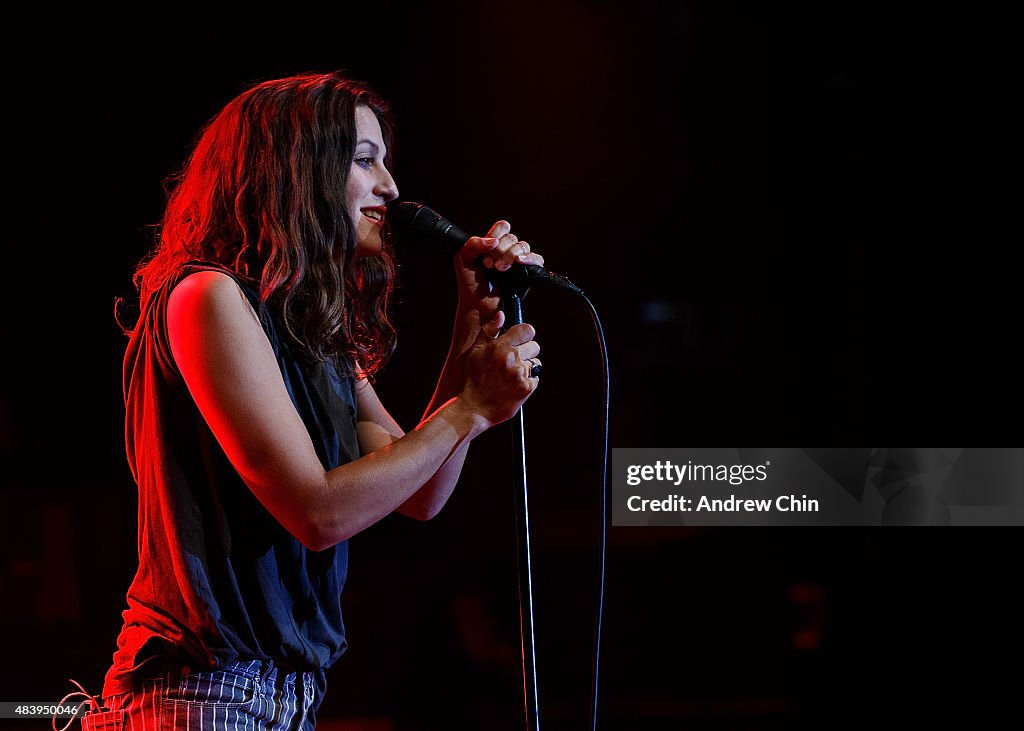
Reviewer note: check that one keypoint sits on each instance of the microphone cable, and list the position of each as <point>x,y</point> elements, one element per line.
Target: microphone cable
<point>603,538</point>
<point>564,283</point>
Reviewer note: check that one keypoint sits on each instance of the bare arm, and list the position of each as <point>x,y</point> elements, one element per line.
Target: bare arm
<point>231,371</point>
<point>377,429</point>
<point>478,304</point>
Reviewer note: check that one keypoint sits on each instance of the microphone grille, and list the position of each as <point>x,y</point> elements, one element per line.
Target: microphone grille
<point>414,214</point>
<point>415,217</point>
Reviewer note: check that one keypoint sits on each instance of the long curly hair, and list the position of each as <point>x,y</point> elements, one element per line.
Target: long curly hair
<point>263,194</point>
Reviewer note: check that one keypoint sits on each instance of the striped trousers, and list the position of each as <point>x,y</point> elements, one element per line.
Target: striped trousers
<point>244,696</point>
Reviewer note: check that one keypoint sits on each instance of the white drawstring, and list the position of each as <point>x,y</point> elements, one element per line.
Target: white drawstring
<point>94,705</point>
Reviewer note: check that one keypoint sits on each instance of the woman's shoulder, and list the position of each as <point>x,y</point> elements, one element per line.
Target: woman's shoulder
<point>208,293</point>
<point>211,324</point>
<point>211,283</point>
<point>220,272</point>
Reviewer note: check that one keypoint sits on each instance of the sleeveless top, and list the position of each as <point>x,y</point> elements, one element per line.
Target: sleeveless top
<point>219,579</point>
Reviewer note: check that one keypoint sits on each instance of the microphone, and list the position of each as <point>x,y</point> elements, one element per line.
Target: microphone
<point>416,217</point>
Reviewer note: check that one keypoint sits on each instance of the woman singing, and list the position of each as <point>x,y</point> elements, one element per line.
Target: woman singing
<point>253,430</point>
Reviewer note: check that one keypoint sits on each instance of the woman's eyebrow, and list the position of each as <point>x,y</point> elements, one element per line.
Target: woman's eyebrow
<point>371,143</point>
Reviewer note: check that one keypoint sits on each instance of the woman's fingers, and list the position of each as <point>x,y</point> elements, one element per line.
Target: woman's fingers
<point>478,246</point>
<point>521,338</point>
<point>499,229</point>
<point>520,334</point>
<point>501,248</point>
<point>528,351</point>
<point>502,370</point>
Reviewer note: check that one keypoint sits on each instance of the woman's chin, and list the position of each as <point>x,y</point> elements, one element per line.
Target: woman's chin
<point>368,248</point>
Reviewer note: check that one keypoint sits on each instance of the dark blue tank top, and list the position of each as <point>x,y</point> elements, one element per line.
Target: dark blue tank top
<point>219,579</point>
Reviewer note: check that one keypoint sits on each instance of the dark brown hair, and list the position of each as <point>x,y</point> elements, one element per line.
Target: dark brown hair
<point>263,194</point>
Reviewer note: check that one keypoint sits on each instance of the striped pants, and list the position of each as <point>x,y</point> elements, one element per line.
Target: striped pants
<point>244,695</point>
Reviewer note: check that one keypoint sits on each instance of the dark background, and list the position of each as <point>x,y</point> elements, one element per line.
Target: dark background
<point>799,226</point>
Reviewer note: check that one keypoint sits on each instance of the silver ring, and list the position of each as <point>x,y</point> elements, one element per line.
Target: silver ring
<point>536,370</point>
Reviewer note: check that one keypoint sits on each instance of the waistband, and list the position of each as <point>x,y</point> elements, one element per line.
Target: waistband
<point>172,673</point>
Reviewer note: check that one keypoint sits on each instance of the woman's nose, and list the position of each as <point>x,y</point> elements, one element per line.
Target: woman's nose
<point>386,187</point>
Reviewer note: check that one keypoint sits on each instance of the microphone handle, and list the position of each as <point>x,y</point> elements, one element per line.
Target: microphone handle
<point>517,278</point>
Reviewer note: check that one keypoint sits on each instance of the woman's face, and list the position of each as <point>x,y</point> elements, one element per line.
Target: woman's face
<point>370,185</point>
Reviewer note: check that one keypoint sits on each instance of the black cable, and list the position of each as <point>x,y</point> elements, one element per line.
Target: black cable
<point>606,388</point>
<point>599,614</point>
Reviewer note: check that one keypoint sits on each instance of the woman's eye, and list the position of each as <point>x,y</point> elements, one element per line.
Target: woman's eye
<point>364,162</point>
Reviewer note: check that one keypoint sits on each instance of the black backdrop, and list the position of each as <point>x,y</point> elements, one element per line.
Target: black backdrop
<point>797,225</point>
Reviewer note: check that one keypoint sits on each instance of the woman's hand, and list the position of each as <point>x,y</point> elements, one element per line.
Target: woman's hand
<point>479,306</point>
<point>499,370</point>
<point>499,249</point>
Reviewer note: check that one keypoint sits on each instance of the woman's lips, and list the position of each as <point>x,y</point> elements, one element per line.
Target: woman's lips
<point>376,217</point>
